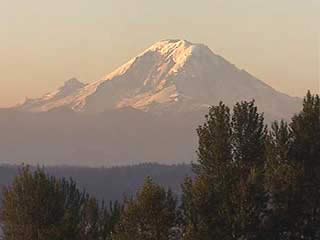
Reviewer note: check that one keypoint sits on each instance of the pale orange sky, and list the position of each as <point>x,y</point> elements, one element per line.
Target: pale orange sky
<point>44,43</point>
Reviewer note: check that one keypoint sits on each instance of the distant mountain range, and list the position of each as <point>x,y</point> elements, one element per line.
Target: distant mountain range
<point>144,111</point>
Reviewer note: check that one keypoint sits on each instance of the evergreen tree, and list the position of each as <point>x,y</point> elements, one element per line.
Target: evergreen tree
<point>215,136</point>
<point>292,174</point>
<point>149,216</point>
<point>205,198</point>
<point>227,198</point>
<point>38,206</point>
<point>281,176</point>
<point>248,147</point>
<point>305,153</point>
<point>74,201</point>
<point>33,207</point>
<point>248,135</point>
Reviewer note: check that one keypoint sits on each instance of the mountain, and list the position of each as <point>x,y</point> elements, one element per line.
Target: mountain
<point>170,76</point>
<point>145,111</point>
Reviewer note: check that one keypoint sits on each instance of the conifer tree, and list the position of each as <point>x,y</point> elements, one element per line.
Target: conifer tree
<point>281,177</point>
<point>292,174</point>
<point>74,201</point>
<point>33,207</point>
<point>227,198</point>
<point>248,147</point>
<point>214,145</point>
<point>37,206</point>
<point>205,198</point>
<point>151,215</point>
<point>305,153</point>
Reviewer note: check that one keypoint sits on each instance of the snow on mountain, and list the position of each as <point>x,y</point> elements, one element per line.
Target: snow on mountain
<point>171,75</point>
<point>54,99</point>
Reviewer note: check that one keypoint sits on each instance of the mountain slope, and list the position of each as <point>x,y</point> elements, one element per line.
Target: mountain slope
<point>171,76</point>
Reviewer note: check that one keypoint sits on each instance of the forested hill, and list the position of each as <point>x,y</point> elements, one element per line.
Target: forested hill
<point>112,183</point>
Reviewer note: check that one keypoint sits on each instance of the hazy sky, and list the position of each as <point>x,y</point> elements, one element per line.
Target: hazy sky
<point>43,43</point>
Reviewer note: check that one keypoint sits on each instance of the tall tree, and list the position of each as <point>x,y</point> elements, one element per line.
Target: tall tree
<point>305,153</point>
<point>227,198</point>
<point>248,147</point>
<point>214,145</point>
<point>292,174</point>
<point>204,198</point>
<point>281,177</point>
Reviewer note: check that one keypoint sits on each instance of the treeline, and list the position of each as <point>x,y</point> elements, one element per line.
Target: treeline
<point>250,182</point>
<point>111,184</point>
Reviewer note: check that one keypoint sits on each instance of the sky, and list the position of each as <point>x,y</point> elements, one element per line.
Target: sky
<point>44,43</point>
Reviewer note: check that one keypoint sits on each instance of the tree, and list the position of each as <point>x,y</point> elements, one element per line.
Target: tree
<point>305,153</point>
<point>248,147</point>
<point>151,215</point>
<point>215,136</point>
<point>38,206</point>
<point>281,177</point>
<point>33,207</point>
<point>90,226</point>
<point>109,218</point>
<point>248,135</point>
<point>292,174</point>
<point>74,202</point>
<point>227,198</point>
<point>204,196</point>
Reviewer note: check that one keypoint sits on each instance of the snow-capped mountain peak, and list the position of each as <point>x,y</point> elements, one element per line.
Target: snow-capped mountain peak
<point>177,49</point>
<point>69,87</point>
<point>170,75</point>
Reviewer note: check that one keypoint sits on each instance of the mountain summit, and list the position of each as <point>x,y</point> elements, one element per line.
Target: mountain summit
<point>169,76</point>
